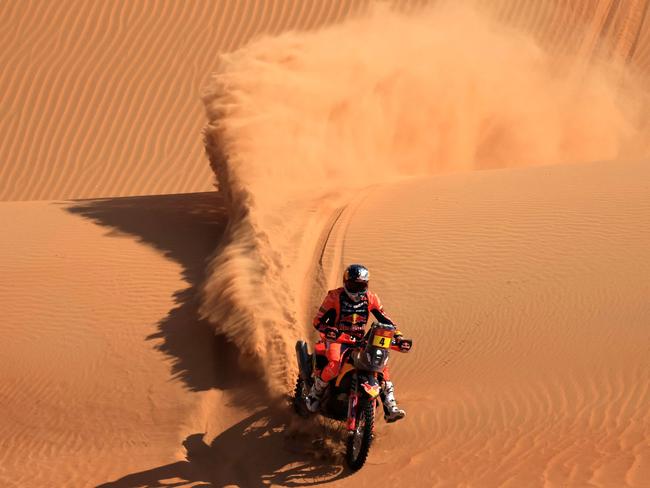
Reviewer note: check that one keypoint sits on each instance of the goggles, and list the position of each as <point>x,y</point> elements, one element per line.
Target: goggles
<point>356,286</point>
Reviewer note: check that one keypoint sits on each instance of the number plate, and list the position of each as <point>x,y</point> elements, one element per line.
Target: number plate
<point>380,341</point>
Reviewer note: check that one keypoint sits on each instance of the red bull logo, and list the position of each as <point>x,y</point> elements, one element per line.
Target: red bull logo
<point>372,390</point>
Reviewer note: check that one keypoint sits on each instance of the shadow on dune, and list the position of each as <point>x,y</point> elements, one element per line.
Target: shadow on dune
<point>186,228</point>
<point>255,452</point>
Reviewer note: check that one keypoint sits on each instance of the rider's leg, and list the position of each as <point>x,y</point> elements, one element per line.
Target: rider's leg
<point>391,411</point>
<point>313,398</point>
<point>334,352</point>
<point>329,372</point>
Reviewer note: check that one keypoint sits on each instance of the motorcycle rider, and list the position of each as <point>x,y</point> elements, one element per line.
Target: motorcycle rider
<point>347,309</point>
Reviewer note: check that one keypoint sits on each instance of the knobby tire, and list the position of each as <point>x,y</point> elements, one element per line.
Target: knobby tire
<point>366,411</point>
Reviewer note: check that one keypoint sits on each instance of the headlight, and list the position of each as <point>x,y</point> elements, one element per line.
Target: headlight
<point>379,357</point>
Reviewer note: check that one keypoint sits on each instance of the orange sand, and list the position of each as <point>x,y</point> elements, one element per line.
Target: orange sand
<point>147,340</point>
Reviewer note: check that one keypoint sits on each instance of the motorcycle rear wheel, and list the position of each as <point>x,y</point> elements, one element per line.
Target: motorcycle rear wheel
<point>359,441</point>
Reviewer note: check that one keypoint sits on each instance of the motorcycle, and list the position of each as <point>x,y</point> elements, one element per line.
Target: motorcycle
<point>354,395</point>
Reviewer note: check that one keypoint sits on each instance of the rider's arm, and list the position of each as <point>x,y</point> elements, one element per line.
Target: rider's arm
<point>377,309</point>
<point>326,315</point>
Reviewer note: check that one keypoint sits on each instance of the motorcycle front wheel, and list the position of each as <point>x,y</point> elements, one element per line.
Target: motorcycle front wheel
<point>360,439</point>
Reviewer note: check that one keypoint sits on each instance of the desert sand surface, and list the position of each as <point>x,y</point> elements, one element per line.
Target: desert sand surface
<point>504,389</point>
<point>489,162</point>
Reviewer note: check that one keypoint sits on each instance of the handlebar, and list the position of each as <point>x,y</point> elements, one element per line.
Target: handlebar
<point>397,343</point>
<point>343,338</point>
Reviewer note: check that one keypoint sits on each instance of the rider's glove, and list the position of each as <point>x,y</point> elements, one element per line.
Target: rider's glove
<point>405,345</point>
<point>331,333</point>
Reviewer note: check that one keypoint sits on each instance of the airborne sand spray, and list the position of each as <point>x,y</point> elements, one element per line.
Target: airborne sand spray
<point>371,100</point>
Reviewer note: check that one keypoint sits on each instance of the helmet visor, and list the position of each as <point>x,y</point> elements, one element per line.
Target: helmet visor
<point>356,286</point>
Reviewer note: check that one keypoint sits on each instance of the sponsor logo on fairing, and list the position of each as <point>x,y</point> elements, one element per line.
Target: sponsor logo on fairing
<point>372,390</point>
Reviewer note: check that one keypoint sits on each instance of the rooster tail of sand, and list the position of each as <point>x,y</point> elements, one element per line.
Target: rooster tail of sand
<point>376,98</point>
<point>244,295</point>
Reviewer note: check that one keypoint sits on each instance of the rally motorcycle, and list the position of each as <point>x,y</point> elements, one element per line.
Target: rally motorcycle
<point>355,394</point>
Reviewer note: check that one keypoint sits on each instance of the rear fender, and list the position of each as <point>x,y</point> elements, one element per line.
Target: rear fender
<point>304,361</point>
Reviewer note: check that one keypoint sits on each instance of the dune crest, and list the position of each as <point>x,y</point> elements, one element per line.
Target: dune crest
<point>302,116</point>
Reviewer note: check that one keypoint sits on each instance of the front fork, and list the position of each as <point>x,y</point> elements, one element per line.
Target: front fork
<point>370,389</point>
<point>353,401</point>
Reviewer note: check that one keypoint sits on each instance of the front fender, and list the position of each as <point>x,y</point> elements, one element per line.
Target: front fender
<point>370,385</point>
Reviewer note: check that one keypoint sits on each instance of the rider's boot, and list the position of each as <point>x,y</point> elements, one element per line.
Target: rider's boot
<point>391,411</point>
<point>313,398</point>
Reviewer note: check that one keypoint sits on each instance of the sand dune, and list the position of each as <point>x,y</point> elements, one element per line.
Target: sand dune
<point>91,317</point>
<point>103,100</point>
<point>524,288</point>
<point>526,294</point>
<point>88,91</point>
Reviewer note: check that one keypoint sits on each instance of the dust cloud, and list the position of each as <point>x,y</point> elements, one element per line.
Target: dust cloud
<point>375,99</point>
